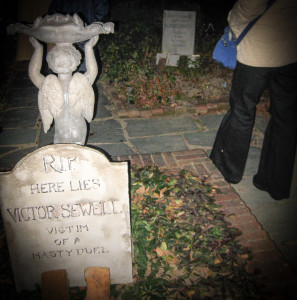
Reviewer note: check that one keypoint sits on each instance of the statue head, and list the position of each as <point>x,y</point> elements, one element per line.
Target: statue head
<point>63,58</point>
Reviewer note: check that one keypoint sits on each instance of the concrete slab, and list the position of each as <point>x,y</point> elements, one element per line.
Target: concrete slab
<point>109,131</point>
<point>278,218</point>
<point>17,136</point>
<point>22,74</point>
<point>289,253</point>
<point>103,100</point>
<point>261,122</point>
<point>46,138</point>
<point>284,219</point>
<point>19,117</point>
<point>159,144</point>
<point>204,138</point>
<point>252,197</point>
<point>101,112</point>
<point>22,93</point>
<point>22,82</point>
<point>212,121</point>
<point>10,160</point>
<point>4,150</point>
<point>252,162</point>
<point>158,126</point>
<point>115,149</point>
<point>22,102</point>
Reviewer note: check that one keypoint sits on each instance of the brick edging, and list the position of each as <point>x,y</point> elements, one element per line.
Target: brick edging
<point>203,109</point>
<point>275,271</point>
<point>177,110</point>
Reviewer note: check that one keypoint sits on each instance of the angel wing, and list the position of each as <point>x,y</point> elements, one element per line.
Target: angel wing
<point>50,100</point>
<point>81,97</point>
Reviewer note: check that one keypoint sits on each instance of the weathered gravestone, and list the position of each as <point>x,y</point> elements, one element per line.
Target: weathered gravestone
<point>179,32</point>
<point>178,36</point>
<point>67,207</point>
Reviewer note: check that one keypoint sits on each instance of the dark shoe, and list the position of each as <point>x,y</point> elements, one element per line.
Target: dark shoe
<point>266,189</point>
<point>232,181</point>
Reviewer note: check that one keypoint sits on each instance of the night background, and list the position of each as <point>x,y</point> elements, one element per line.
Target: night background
<point>131,81</point>
<point>212,11</point>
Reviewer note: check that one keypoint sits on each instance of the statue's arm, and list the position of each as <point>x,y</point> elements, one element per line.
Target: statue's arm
<point>91,63</point>
<point>36,63</point>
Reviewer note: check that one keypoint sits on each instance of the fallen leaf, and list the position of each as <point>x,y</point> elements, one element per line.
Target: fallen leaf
<point>190,293</point>
<point>141,190</point>
<point>203,271</point>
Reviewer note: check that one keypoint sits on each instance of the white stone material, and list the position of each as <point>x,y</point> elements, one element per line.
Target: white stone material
<point>67,207</point>
<point>172,59</point>
<point>59,28</point>
<point>178,32</point>
<point>66,99</point>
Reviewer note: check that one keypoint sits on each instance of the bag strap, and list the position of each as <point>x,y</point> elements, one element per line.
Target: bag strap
<point>251,24</point>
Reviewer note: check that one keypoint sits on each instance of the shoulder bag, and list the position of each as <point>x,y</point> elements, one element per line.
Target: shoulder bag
<point>225,51</point>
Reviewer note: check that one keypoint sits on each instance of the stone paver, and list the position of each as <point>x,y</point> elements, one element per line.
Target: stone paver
<point>20,83</point>
<point>8,161</point>
<point>20,117</point>
<point>109,131</point>
<point>212,122</point>
<point>160,125</point>
<point>159,144</point>
<point>26,93</point>
<point>101,112</point>
<point>261,122</point>
<point>46,138</point>
<point>18,136</point>
<point>203,138</point>
<point>115,149</point>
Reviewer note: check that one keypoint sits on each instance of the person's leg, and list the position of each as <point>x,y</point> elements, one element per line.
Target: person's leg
<point>278,152</point>
<point>231,146</point>
<point>82,66</point>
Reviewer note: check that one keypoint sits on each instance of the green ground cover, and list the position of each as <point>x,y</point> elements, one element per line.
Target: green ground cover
<point>183,248</point>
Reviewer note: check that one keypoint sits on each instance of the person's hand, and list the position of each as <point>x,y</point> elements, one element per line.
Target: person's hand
<point>35,43</point>
<point>108,27</point>
<point>92,42</point>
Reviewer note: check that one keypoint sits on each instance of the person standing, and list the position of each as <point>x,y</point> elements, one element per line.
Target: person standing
<point>266,58</point>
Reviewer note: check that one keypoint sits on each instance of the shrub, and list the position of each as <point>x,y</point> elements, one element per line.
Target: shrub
<point>129,55</point>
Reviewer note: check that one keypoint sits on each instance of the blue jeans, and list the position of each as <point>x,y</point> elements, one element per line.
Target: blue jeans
<point>231,146</point>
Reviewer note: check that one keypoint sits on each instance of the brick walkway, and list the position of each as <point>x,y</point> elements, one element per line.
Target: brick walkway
<point>275,273</point>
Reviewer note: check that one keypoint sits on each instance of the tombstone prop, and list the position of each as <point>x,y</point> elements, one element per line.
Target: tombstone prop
<point>67,207</point>
<point>66,99</point>
<point>178,37</point>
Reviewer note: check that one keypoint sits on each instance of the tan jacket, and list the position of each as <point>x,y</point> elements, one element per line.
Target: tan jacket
<point>272,41</point>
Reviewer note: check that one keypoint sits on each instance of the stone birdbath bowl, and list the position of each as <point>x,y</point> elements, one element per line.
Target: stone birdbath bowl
<point>59,28</point>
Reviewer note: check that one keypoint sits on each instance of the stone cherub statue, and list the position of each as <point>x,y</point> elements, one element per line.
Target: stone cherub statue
<point>67,99</point>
